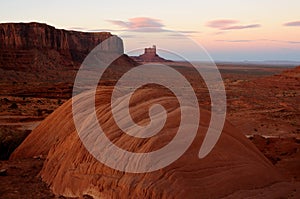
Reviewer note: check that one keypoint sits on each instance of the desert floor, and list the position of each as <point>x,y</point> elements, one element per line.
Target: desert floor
<point>262,102</point>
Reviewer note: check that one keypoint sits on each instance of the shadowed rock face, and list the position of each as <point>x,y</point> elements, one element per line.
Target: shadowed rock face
<point>70,170</point>
<point>26,45</point>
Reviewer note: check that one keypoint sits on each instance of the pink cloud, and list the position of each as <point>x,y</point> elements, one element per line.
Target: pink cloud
<point>145,24</point>
<point>293,23</point>
<point>139,23</point>
<point>228,24</point>
<point>221,23</point>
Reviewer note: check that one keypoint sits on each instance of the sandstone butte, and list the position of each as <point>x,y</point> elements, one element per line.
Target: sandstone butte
<point>234,169</point>
<point>35,46</point>
<point>149,55</point>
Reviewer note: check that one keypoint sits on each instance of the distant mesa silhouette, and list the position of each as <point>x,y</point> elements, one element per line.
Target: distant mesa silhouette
<point>150,55</point>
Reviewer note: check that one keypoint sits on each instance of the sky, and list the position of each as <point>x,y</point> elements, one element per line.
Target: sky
<point>229,30</point>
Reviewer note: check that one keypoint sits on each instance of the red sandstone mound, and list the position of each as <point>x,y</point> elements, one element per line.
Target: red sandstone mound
<point>233,165</point>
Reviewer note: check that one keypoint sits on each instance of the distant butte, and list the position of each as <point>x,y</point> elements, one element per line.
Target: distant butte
<point>149,55</point>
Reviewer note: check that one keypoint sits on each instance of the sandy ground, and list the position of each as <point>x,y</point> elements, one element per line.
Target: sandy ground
<point>263,106</point>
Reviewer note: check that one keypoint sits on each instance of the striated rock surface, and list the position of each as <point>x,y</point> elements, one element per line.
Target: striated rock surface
<point>26,46</point>
<point>235,164</point>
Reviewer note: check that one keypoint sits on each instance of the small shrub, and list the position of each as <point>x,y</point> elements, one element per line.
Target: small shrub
<point>13,106</point>
<point>39,112</point>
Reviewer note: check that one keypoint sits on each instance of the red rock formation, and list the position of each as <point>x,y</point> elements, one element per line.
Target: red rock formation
<point>36,45</point>
<point>70,170</point>
<point>149,56</point>
<point>295,72</point>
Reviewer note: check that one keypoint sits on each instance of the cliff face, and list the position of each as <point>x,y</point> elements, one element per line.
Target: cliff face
<point>25,45</point>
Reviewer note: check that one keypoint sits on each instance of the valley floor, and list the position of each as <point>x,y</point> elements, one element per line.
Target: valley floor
<point>263,102</point>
